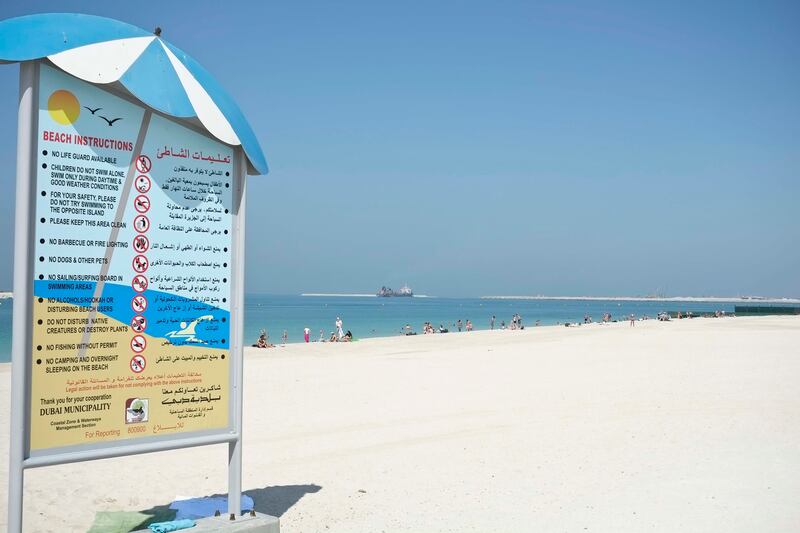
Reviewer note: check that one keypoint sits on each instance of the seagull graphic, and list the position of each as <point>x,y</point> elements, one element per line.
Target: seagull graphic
<point>110,122</point>
<point>93,110</point>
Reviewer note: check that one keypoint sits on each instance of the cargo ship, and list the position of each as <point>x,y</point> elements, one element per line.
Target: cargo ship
<point>387,292</point>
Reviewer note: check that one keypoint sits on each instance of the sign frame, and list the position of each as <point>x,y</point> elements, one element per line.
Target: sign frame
<point>20,456</point>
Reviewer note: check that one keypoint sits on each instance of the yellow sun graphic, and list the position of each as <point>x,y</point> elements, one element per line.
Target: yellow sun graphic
<point>63,107</point>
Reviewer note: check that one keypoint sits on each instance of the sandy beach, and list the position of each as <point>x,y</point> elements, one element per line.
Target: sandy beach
<point>689,425</point>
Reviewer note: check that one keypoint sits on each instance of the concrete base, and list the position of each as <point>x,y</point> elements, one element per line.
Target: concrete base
<point>260,523</point>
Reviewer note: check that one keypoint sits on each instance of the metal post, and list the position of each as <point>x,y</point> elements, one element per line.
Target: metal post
<point>23,291</point>
<point>237,336</point>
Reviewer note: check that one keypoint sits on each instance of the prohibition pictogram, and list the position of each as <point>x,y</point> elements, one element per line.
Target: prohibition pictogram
<point>141,203</point>
<point>138,343</point>
<point>138,362</point>
<point>140,264</point>
<point>139,324</point>
<point>142,184</point>
<point>141,223</point>
<point>141,243</point>
<point>139,303</point>
<point>139,283</point>
<point>143,163</point>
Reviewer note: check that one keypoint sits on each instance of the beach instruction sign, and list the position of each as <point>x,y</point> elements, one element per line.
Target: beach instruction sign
<point>128,249</point>
<point>131,329</point>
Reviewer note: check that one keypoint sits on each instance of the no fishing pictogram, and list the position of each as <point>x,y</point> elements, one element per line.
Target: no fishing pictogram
<point>138,343</point>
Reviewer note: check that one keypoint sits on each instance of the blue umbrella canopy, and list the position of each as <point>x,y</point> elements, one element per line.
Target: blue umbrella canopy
<point>106,51</point>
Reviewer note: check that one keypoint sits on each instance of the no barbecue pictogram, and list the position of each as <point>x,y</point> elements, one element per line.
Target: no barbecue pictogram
<point>141,243</point>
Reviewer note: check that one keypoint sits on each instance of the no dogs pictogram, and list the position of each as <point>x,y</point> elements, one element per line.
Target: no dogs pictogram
<point>138,362</point>
<point>140,263</point>
<point>143,163</point>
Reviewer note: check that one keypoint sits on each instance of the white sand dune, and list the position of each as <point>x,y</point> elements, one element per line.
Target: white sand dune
<point>679,426</point>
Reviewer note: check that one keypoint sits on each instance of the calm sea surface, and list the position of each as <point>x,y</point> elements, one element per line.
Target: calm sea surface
<point>381,317</point>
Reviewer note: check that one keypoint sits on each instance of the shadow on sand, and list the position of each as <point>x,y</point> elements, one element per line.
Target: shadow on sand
<point>274,501</point>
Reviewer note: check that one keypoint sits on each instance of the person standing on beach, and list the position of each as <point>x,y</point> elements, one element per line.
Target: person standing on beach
<point>339,330</point>
<point>491,323</point>
<point>633,322</point>
<point>458,324</point>
<point>306,333</point>
<point>285,336</point>
<point>469,325</point>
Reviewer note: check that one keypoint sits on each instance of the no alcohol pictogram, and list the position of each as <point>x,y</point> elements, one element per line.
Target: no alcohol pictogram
<point>141,243</point>
<point>138,343</point>
<point>143,164</point>
<point>139,324</point>
<point>138,362</point>
<point>142,184</point>
<point>141,203</point>
<point>139,303</point>
<point>141,223</point>
<point>140,264</point>
<point>139,283</point>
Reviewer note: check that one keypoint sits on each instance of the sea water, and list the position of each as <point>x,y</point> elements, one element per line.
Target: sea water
<point>381,317</point>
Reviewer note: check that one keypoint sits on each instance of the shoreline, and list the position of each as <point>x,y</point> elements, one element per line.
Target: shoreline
<point>687,299</point>
<point>572,325</point>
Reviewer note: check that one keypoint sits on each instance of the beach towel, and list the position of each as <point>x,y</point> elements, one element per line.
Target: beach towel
<point>174,525</point>
<point>203,507</point>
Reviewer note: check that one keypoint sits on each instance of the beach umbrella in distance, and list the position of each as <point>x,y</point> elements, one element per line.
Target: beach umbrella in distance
<point>106,51</point>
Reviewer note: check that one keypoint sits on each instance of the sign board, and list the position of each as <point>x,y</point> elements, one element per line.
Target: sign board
<point>133,230</point>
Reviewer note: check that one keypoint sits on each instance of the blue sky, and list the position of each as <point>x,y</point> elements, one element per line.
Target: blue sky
<point>473,148</point>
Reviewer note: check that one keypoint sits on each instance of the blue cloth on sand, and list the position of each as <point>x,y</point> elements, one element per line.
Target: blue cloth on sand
<point>203,507</point>
<point>174,525</point>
